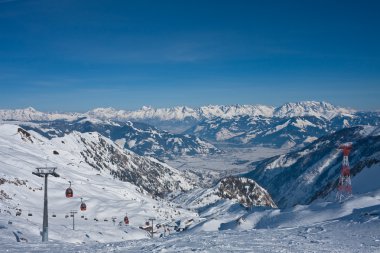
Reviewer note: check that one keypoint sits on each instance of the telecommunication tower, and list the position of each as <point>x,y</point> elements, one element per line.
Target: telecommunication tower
<point>344,184</point>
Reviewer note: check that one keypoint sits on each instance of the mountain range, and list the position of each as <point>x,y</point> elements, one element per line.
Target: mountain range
<point>294,131</point>
<point>181,113</point>
<point>141,138</point>
<point>169,132</point>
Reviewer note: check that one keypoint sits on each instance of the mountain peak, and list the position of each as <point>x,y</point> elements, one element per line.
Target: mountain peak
<point>146,107</point>
<point>310,108</point>
<point>29,109</point>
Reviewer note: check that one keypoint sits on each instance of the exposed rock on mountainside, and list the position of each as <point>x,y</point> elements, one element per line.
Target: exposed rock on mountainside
<point>146,173</point>
<point>245,191</point>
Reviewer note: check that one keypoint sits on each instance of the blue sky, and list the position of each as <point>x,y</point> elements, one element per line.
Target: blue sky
<point>74,55</point>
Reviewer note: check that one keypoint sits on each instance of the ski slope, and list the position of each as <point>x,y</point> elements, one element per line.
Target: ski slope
<point>326,227</point>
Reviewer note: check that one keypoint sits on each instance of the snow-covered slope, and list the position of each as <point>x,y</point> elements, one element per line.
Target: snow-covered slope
<point>310,173</point>
<point>111,181</point>
<point>360,206</point>
<point>327,227</point>
<point>138,137</point>
<point>227,200</point>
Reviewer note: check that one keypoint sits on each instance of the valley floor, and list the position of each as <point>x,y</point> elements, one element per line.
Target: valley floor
<point>210,168</point>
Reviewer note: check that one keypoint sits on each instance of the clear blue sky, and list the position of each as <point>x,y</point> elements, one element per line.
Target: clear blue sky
<point>74,55</point>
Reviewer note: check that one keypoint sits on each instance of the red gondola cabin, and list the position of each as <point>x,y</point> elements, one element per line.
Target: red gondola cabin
<point>126,220</point>
<point>83,206</point>
<point>69,193</point>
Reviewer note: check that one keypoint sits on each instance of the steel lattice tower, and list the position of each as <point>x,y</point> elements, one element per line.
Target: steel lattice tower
<point>344,184</point>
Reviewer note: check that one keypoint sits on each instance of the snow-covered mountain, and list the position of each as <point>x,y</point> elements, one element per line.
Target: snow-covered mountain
<point>112,182</point>
<point>104,156</point>
<point>31,114</point>
<point>181,118</point>
<point>310,108</point>
<point>182,113</point>
<point>305,108</point>
<point>310,173</point>
<point>141,138</point>
<point>278,131</point>
<point>243,191</point>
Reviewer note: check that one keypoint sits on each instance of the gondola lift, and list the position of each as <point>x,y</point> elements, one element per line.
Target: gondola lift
<point>126,220</point>
<point>83,206</point>
<point>69,192</point>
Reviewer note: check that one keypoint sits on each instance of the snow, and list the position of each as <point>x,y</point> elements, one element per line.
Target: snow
<point>278,128</point>
<point>311,175</point>
<point>303,123</point>
<point>370,130</point>
<point>280,162</point>
<point>224,134</point>
<point>308,215</point>
<point>131,143</point>
<point>121,142</point>
<point>324,227</point>
<point>310,139</point>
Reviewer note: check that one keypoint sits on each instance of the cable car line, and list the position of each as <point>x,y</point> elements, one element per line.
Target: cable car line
<point>69,194</point>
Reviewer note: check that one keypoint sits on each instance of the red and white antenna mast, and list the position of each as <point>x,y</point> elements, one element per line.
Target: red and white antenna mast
<point>344,185</point>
